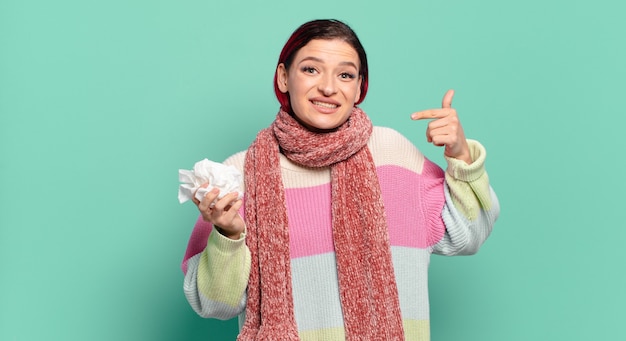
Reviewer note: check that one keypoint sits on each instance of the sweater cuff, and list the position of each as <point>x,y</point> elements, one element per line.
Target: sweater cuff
<point>460,170</point>
<point>224,244</point>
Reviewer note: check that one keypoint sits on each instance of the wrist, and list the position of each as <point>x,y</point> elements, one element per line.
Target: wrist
<point>233,236</point>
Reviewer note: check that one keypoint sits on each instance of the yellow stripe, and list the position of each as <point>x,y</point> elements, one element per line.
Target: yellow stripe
<point>328,334</point>
<point>414,330</point>
<point>224,287</point>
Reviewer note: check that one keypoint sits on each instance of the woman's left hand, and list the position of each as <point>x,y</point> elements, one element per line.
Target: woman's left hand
<point>445,129</point>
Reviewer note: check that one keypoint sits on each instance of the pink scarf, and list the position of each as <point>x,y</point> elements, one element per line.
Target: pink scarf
<point>368,292</point>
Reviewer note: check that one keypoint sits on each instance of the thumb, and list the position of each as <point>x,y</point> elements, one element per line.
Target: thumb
<point>447,99</point>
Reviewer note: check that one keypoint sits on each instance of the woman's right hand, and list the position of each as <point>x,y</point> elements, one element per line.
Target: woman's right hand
<point>224,215</point>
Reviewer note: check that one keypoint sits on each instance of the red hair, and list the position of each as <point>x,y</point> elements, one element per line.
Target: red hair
<point>320,29</point>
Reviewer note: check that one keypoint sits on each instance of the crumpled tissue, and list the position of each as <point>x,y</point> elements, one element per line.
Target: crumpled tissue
<point>227,179</point>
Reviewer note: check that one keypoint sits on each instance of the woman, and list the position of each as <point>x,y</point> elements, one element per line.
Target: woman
<point>340,218</point>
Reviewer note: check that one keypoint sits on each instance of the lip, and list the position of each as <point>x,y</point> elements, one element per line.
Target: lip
<point>334,105</point>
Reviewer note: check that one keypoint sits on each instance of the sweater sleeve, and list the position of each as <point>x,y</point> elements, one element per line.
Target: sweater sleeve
<point>216,277</point>
<point>471,206</point>
<point>217,268</point>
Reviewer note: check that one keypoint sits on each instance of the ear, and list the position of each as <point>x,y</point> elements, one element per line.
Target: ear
<point>358,91</point>
<point>281,78</point>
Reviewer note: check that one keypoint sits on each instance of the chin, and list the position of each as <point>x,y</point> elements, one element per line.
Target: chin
<point>321,122</point>
<point>325,127</point>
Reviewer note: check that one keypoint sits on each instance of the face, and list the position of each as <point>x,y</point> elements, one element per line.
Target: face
<point>323,83</point>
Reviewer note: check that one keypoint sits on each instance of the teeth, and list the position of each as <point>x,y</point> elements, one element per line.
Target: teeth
<point>325,105</point>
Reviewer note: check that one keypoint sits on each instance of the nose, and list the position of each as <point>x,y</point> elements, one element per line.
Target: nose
<point>327,85</point>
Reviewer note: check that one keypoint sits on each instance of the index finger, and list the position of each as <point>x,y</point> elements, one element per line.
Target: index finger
<point>428,114</point>
<point>195,198</point>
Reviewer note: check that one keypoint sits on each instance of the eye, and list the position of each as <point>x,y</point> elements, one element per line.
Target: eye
<point>308,69</point>
<point>347,75</point>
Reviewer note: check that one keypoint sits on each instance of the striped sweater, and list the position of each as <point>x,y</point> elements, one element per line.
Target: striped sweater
<point>428,211</point>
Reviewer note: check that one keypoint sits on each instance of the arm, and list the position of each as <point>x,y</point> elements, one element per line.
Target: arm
<point>216,273</point>
<point>471,206</point>
<point>217,263</point>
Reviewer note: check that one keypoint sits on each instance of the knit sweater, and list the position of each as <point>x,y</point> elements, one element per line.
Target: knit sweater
<point>427,210</point>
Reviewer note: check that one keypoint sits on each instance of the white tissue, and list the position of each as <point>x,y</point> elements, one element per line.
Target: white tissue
<point>227,179</point>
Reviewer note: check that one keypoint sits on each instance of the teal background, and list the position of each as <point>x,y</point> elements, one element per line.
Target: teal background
<point>101,102</point>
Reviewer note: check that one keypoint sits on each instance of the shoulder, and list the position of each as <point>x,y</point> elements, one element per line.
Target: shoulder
<point>389,147</point>
<point>237,160</point>
<point>385,137</point>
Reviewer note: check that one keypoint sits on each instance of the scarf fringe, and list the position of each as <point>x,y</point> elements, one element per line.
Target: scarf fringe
<point>282,332</point>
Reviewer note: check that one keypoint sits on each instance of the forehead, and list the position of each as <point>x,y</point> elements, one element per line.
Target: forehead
<point>328,51</point>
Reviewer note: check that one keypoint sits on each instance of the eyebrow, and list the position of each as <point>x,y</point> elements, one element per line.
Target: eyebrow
<point>315,59</point>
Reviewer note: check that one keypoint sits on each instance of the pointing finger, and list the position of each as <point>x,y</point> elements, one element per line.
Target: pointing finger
<point>425,114</point>
<point>431,114</point>
<point>447,99</point>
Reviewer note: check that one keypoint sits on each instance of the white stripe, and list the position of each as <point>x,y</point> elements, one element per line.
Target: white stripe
<point>200,303</point>
<point>316,292</point>
<point>317,303</point>
<point>411,266</point>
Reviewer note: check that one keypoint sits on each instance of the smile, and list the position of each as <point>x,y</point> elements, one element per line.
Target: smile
<point>325,105</point>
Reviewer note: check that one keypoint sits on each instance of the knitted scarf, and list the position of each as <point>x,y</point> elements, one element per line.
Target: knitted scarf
<point>367,287</point>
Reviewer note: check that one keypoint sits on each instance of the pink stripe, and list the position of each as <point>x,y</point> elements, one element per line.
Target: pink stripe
<point>197,241</point>
<point>310,226</point>
<point>413,205</point>
<point>413,202</point>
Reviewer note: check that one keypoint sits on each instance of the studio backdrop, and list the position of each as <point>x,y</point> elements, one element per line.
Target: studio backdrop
<point>101,102</point>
